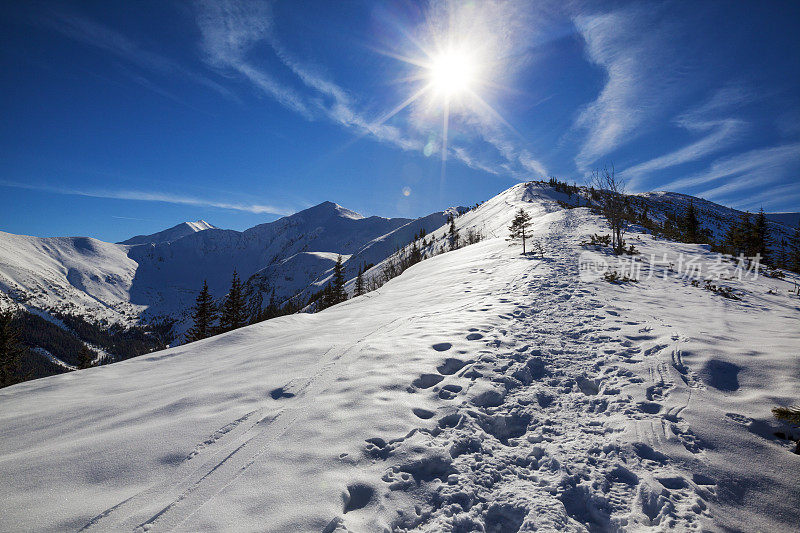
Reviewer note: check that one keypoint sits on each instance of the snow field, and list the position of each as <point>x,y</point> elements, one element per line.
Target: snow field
<point>479,390</point>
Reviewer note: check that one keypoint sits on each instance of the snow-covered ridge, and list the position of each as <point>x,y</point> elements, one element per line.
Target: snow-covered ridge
<point>171,234</point>
<point>790,220</point>
<point>479,391</point>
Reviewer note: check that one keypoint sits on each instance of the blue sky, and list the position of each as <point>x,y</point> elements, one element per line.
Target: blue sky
<point>125,118</point>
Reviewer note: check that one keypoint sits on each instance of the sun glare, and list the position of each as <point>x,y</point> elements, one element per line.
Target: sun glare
<point>451,73</point>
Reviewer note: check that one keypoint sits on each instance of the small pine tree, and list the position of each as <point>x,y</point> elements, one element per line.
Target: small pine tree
<point>518,227</point>
<point>793,259</point>
<point>691,226</point>
<point>737,238</point>
<point>761,237</point>
<point>415,255</point>
<point>452,234</point>
<point>203,315</point>
<point>255,307</point>
<point>234,310</point>
<point>85,358</point>
<point>360,287</point>
<point>11,350</point>
<point>335,290</point>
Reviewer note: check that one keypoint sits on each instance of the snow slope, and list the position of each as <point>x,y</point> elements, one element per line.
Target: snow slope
<point>171,234</point>
<point>67,273</point>
<point>712,216</point>
<point>480,390</point>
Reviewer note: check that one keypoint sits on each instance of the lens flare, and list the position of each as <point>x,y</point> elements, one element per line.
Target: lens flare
<point>452,72</point>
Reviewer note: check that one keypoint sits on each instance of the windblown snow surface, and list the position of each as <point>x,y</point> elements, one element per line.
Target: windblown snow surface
<point>481,390</point>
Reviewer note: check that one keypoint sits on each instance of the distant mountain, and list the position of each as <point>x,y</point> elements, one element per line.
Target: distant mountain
<point>170,274</point>
<point>172,234</point>
<point>157,276</point>
<point>713,217</point>
<point>787,219</point>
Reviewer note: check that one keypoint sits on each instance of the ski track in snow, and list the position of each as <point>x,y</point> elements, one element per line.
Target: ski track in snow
<point>229,452</point>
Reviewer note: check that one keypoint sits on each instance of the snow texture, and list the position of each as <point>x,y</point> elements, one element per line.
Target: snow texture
<point>481,390</point>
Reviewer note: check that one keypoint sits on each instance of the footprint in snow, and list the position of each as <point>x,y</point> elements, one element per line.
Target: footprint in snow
<point>358,496</point>
<point>450,366</point>
<point>279,393</point>
<point>424,414</point>
<point>426,381</point>
<point>442,346</point>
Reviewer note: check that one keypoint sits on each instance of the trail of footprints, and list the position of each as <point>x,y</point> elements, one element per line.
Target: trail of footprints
<point>549,424</point>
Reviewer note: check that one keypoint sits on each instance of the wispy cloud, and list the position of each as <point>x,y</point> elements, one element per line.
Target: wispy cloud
<point>771,198</point>
<point>94,34</point>
<point>720,132</point>
<point>752,168</point>
<point>151,196</point>
<point>638,80</point>
<point>754,173</point>
<point>231,29</point>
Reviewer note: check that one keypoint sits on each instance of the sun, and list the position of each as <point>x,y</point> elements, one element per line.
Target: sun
<point>452,73</point>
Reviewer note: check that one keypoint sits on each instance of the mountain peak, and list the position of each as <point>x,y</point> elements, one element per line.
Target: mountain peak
<point>332,208</point>
<point>171,234</point>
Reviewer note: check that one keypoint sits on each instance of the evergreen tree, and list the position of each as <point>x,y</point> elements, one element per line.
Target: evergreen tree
<point>272,309</point>
<point>11,350</point>
<point>519,226</point>
<point>85,358</point>
<point>691,226</point>
<point>234,310</point>
<point>256,307</point>
<point>793,258</point>
<point>761,237</point>
<point>452,234</point>
<point>738,238</point>
<point>360,288</point>
<point>415,255</point>
<point>334,292</point>
<point>204,315</point>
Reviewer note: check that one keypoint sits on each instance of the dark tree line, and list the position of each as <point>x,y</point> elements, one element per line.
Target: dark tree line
<point>236,310</point>
<point>749,237</point>
<point>24,334</point>
<point>11,351</point>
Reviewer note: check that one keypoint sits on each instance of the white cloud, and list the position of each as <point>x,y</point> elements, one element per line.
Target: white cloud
<point>639,83</point>
<point>152,196</point>
<point>782,196</point>
<point>721,132</point>
<point>759,167</point>
<point>230,30</point>
<point>756,171</point>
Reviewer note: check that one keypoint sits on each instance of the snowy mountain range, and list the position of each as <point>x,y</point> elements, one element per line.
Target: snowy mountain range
<point>171,234</point>
<point>160,274</point>
<point>155,277</point>
<point>481,390</point>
